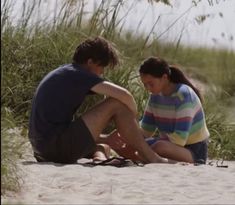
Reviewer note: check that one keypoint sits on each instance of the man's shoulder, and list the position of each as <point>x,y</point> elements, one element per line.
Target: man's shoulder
<point>71,71</point>
<point>60,69</point>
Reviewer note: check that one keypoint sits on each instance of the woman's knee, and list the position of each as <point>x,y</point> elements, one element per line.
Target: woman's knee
<point>161,148</point>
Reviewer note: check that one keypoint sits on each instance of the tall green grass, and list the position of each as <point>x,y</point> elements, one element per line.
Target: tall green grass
<point>29,51</point>
<point>13,144</point>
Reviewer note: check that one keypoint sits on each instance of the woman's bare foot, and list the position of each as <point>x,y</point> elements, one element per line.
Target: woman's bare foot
<point>102,152</point>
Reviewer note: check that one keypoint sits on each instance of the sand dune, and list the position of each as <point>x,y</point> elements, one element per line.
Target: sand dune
<point>49,183</point>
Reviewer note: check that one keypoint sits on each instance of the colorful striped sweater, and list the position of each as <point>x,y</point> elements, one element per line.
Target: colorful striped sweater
<point>179,116</point>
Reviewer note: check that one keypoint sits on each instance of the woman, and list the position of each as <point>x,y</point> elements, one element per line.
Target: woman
<point>174,108</point>
<point>175,111</point>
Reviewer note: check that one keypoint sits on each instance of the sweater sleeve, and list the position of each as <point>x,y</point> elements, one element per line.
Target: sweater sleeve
<point>184,116</point>
<point>184,119</point>
<point>147,122</point>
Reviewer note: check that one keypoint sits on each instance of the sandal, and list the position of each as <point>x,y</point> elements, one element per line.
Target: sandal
<point>116,162</point>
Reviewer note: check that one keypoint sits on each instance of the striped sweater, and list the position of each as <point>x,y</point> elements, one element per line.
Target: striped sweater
<point>179,117</point>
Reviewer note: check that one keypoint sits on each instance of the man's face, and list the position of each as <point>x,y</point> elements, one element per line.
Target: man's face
<point>95,67</point>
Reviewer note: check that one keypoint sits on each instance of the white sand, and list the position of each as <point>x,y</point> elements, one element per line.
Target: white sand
<point>49,183</point>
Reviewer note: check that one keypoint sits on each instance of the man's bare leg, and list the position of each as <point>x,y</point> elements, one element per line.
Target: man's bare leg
<point>119,144</point>
<point>100,115</point>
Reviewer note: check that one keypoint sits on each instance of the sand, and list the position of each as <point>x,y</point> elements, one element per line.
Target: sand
<point>50,183</point>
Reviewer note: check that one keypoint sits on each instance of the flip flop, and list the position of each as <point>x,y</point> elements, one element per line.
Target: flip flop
<point>116,162</point>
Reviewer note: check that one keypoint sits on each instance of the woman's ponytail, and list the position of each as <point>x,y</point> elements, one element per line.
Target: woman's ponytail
<point>177,76</point>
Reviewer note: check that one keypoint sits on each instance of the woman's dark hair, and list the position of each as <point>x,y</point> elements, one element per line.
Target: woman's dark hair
<point>156,67</point>
<point>99,50</point>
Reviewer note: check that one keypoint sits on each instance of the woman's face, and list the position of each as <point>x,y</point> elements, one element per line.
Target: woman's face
<point>153,84</point>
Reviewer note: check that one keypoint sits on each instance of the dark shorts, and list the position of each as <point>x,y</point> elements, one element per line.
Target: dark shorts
<point>198,150</point>
<point>75,143</point>
<point>151,140</point>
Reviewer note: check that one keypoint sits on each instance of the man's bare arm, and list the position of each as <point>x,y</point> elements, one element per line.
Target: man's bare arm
<point>117,92</point>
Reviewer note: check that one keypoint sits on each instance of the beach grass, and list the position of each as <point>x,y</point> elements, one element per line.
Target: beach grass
<point>30,50</point>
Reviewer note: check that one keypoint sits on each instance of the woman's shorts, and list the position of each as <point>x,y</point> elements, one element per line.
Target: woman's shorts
<point>75,143</point>
<point>151,140</point>
<point>199,151</point>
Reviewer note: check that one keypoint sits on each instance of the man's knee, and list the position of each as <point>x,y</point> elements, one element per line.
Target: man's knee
<point>117,105</point>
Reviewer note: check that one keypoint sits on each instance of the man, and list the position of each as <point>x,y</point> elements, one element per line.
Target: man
<point>54,133</point>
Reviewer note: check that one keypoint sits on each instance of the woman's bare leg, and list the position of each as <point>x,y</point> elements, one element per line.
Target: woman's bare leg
<point>172,151</point>
<point>100,115</point>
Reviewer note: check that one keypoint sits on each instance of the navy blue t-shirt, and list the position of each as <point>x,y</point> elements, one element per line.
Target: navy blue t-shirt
<point>58,96</point>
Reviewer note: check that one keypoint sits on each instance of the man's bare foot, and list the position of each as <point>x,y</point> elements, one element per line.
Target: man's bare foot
<point>102,152</point>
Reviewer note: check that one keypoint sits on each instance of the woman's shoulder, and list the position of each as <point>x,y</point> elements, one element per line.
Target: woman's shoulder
<point>185,93</point>
<point>185,90</point>
<point>182,88</point>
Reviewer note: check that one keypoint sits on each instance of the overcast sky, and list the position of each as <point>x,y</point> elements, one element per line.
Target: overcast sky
<point>218,30</point>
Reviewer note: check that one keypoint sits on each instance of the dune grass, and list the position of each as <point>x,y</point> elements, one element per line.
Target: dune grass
<point>29,51</point>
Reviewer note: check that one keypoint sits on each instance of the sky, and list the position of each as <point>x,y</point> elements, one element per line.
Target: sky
<point>173,22</point>
<point>218,30</point>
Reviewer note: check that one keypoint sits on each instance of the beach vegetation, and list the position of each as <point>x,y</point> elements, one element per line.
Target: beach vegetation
<point>33,47</point>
